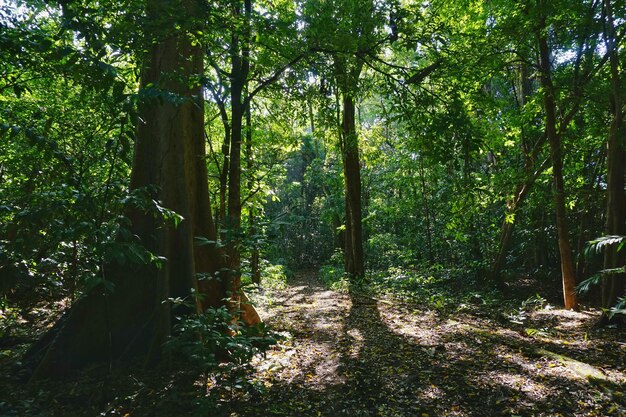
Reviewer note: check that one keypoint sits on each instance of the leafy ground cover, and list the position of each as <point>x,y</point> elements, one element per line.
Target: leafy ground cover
<point>357,353</point>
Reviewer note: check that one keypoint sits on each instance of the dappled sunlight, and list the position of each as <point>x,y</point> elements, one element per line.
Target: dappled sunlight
<point>521,383</point>
<point>415,325</point>
<point>431,392</point>
<point>299,358</point>
<point>356,344</point>
<point>566,320</point>
<point>350,354</point>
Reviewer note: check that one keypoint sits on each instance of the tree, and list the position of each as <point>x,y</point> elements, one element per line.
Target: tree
<point>556,154</point>
<point>129,314</point>
<point>613,285</point>
<point>254,58</point>
<point>347,32</point>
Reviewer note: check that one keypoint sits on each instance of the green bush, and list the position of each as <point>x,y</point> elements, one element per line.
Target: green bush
<point>335,278</point>
<point>210,338</point>
<point>9,317</point>
<point>274,276</point>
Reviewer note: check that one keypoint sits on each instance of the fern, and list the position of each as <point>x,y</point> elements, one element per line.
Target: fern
<point>586,285</point>
<point>596,279</point>
<point>619,308</point>
<point>597,245</point>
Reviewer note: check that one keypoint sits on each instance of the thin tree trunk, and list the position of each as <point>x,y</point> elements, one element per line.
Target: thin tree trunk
<point>508,224</point>
<point>240,61</point>
<point>429,243</point>
<point>613,286</point>
<point>354,262</point>
<point>252,231</point>
<point>565,251</point>
<point>592,186</point>
<point>225,164</point>
<point>531,153</point>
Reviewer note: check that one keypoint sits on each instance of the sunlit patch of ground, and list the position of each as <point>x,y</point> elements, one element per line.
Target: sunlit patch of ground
<point>352,355</point>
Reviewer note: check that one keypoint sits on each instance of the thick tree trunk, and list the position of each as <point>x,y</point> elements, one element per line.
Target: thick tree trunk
<point>565,251</point>
<point>614,286</point>
<point>354,262</point>
<point>169,167</point>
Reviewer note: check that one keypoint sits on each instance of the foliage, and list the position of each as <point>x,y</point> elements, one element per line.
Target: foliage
<point>599,244</point>
<point>9,316</point>
<point>274,276</point>
<point>335,278</point>
<point>456,174</point>
<point>211,338</point>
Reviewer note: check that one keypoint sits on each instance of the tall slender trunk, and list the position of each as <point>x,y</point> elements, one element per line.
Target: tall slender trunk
<point>508,224</point>
<point>613,286</point>
<point>224,171</point>
<point>354,262</point>
<point>240,69</point>
<point>427,215</point>
<point>554,138</point>
<point>530,152</point>
<point>583,264</point>
<point>255,256</point>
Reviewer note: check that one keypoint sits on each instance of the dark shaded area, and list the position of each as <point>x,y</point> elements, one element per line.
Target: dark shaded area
<point>356,355</point>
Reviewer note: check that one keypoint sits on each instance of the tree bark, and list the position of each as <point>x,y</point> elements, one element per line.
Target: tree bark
<point>255,256</point>
<point>531,173</point>
<point>169,167</point>
<point>354,262</point>
<point>614,285</point>
<point>240,69</point>
<point>554,138</point>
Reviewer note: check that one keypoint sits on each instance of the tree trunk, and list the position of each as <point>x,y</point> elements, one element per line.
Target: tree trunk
<point>508,224</point>
<point>427,216</point>
<point>169,167</point>
<point>255,256</point>
<point>592,187</point>
<point>531,171</point>
<point>225,164</point>
<point>354,263</point>
<point>613,286</point>
<point>554,138</point>
<point>240,62</point>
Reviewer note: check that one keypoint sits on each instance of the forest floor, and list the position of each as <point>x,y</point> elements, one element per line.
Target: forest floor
<point>359,354</point>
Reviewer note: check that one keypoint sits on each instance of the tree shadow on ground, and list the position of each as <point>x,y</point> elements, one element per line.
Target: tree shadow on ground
<point>354,355</point>
<point>433,367</point>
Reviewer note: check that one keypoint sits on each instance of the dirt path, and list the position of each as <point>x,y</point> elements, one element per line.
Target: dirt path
<point>352,355</point>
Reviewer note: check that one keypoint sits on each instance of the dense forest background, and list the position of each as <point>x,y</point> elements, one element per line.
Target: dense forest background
<point>441,151</point>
